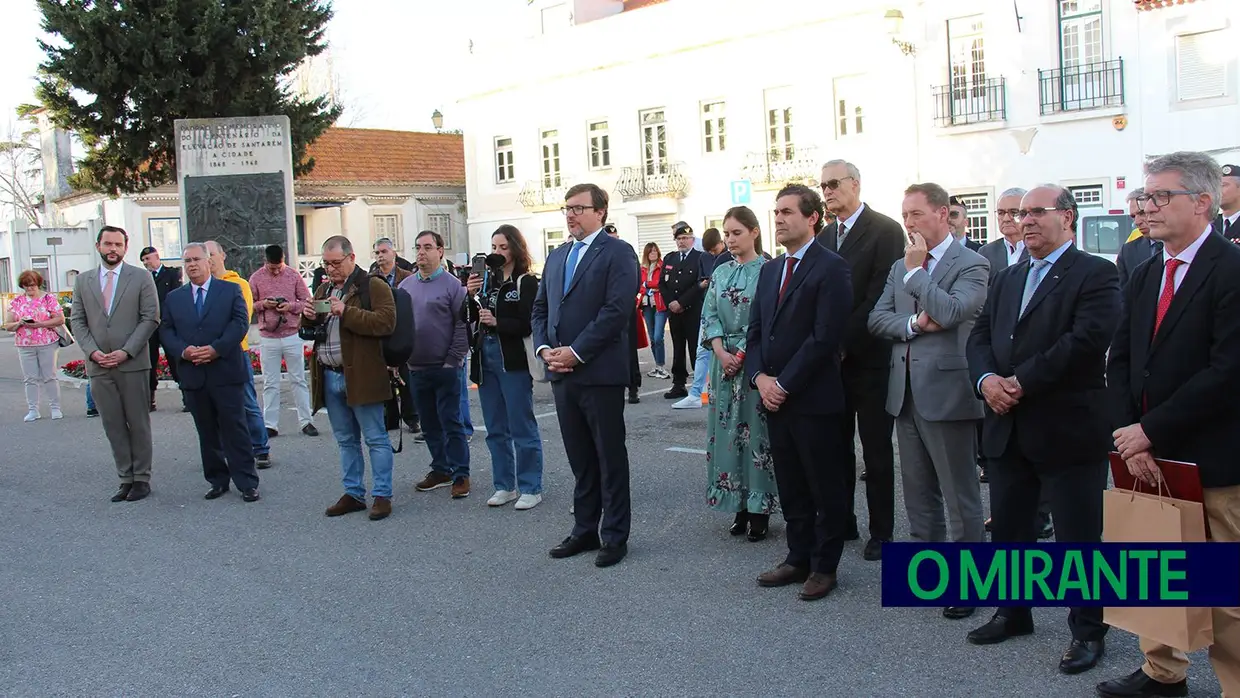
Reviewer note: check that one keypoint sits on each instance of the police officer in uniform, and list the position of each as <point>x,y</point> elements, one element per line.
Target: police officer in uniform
<point>1227,223</point>
<point>683,296</point>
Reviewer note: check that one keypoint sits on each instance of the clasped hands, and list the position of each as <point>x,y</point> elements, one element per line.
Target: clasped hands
<point>559,360</point>
<point>200,355</point>
<point>111,359</point>
<point>772,395</point>
<point>1134,447</point>
<point>730,363</point>
<point>1002,394</point>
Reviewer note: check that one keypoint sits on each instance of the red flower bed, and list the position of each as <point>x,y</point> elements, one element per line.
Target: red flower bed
<point>77,367</point>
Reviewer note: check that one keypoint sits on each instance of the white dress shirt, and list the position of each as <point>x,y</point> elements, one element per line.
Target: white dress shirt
<point>1185,258</point>
<point>1013,251</point>
<point>798,256</point>
<point>935,255</point>
<point>194,291</point>
<point>848,224</point>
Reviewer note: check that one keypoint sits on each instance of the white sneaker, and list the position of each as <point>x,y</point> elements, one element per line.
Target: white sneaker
<point>688,403</point>
<point>31,416</point>
<point>528,501</point>
<point>501,497</point>
<point>57,414</point>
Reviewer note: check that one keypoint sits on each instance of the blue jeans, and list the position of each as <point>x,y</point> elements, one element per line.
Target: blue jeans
<point>656,323</point>
<point>350,425</point>
<point>512,432</point>
<point>701,370</point>
<point>254,415</point>
<point>469,425</point>
<point>438,394</point>
<point>90,400</point>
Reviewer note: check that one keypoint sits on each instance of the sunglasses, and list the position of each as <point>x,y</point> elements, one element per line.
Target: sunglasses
<point>832,184</point>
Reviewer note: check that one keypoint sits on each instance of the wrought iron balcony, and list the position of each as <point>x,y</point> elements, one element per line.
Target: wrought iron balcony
<point>543,194</point>
<point>666,179</point>
<point>970,102</point>
<point>786,165</point>
<point>1081,87</point>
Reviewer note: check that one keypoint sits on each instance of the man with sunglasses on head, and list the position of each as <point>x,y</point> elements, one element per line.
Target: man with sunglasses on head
<point>870,242</point>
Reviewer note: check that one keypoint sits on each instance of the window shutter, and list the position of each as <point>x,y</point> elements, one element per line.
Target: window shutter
<point>1201,72</point>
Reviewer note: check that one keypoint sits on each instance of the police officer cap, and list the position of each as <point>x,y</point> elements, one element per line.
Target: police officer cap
<point>1231,171</point>
<point>681,228</point>
<point>146,251</point>
<point>955,201</point>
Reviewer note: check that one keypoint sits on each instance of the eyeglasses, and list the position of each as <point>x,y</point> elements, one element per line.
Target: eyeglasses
<point>576,210</point>
<point>335,264</point>
<point>1013,212</point>
<point>1037,212</point>
<point>832,184</point>
<point>1162,198</point>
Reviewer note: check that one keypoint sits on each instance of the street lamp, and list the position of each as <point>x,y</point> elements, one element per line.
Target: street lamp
<point>895,25</point>
<point>437,120</point>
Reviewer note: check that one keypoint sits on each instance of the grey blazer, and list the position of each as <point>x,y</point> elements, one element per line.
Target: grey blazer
<point>953,296</point>
<point>995,252</point>
<point>134,318</point>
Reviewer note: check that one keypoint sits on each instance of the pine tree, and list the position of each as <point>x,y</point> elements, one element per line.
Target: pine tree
<point>119,73</point>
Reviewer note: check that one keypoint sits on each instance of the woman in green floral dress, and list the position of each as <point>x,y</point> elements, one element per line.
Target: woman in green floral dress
<point>740,474</point>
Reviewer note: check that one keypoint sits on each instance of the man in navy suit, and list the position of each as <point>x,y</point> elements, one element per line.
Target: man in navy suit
<point>203,323</point>
<point>796,325</point>
<point>582,318</point>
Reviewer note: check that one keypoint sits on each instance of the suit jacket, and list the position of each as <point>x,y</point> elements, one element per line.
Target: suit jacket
<point>223,323</point>
<point>1189,373</point>
<point>870,248</point>
<point>134,317</point>
<point>680,279</point>
<point>995,253</point>
<point>1131,255</point>
<point>595,316</point>
<point>166,280</point>
<point>798,340</point>
<point>952,295</point>
<point>1057,351</point>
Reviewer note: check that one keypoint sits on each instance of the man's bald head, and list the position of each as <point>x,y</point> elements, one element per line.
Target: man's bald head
<point>216,255</point>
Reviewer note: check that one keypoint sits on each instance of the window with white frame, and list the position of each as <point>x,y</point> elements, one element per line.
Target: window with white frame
<point>386,226</point>
<point>777,106</point>
<point>714,127</point>
<point>552,238</point>
<point>550,159</point>
<point>164,234</point>
<point>977,212</point>
<point>505,171</point>
<point>42,266</point>
<point>600,145</point>
<point>1201,65</point>
<point>849,106</point>
<point>654,142</point>
<point>441,223</point>
<point>1080,32</point>
<point>1087,195</point>
<point>967,60</point>
<point>715,222</point>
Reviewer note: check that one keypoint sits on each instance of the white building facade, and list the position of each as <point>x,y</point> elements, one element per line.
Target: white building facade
<point>683,108</point>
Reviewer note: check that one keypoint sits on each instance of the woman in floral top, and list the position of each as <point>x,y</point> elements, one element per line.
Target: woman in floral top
<point>34,317</point>
<point>740,474</point>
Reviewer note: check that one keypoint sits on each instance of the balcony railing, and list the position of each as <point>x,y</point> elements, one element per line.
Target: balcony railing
<point>970,102</point>
<point>784,165</point>
<point>666,179</point>
<point>1080,87</point>
<point>543,194</point>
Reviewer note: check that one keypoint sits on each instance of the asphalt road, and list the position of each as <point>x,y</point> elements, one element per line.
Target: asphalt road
<point>180,596</point>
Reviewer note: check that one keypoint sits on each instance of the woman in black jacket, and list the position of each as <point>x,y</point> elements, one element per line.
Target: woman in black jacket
<point>500,365</point>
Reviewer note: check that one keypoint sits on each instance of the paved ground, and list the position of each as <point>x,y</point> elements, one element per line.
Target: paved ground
<point>180,596</point>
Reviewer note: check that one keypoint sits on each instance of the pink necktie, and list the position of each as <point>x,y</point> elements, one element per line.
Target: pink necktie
<point>107,293</point>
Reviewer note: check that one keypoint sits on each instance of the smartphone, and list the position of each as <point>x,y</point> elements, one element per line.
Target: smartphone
<point>480,266</point>
<point>322,307</point>
<point>28,319</point>
<point>278,301</point>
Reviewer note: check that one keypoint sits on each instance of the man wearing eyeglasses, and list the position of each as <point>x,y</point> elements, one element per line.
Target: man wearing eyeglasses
<point>870,242</point>
<point>958,220</point>
<point>1037,356</point>
<point>1140,248</point>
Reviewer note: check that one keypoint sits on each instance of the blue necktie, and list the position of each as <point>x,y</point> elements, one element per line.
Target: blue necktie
<point>198,301</point>
<point>1031,282</point>
<point>572,265</point>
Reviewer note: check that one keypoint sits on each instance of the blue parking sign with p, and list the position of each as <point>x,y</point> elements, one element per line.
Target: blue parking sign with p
<point>741,190</point>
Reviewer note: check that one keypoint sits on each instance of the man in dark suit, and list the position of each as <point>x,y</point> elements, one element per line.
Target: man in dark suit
<point>203,323</point>
<point>1174,362</point>
<point>166,279</point>
<point>870,242</point>
<point>1037,356</point>
<point>1138,250</point>
<point>683,296</point>
<point>958,219</point>
<point>582,318</point>
<point>797,323</point>
<point>1227,223</point>
<point>635,374</point>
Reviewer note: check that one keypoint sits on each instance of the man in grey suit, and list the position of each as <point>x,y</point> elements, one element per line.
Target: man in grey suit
<point>929,304</point>
<point>115,312</point>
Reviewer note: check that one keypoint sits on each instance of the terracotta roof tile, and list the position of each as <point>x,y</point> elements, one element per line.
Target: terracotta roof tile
<point>374,156</point>
<point>638,4</point>
<point>1156,4</point>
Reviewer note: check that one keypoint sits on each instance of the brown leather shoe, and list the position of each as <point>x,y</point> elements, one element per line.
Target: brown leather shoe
<point>345,505</point>
<point>433,481</point>
<point>460,488</point>
<point>783,575</point>
<point>817,586</point>
<point>381,508</point>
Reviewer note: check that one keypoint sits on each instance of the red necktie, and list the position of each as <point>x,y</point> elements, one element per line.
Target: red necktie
<point>1168,292</point>
<point>792,262</point>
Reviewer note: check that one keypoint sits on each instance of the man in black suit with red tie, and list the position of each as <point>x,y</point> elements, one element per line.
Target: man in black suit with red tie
<point>796,325</point>
<point>1037,356</point>
<point>1174,371</point>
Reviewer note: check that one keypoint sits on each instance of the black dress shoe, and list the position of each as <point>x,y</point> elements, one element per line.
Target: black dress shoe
<point>739,524</point>
<point>634,398</point>
<point>864,474</point>
<point>575,545</point>
<point>853,534</point>
<point>123,492</point>
<point>873,549</point>
<point>677,392</point>
<point>250,495</point>
<point>998,629</point>
<point>140,490</point>
<point>1046,529</point>
<point>1138,684</point>
<point>216,492</point>
<point>1082,655</point>
<point>758,524</point>
<point>958,612</point>
<point>610,554</point>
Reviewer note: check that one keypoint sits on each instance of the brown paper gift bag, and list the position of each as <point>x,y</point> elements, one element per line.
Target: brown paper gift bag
<point>1136,517</point>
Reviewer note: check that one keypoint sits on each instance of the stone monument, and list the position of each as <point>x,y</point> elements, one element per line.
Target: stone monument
<point>235,178</point>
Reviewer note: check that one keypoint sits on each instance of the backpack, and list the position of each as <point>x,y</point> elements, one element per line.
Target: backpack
<point>397,346</point>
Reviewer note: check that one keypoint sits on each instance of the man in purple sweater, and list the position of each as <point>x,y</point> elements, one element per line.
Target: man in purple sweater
<point>434,368</point>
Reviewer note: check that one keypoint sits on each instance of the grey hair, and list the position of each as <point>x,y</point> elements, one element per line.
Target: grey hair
<point>851,168</point>
<point>1013,191</point>
<point>384,241</point>
<point>1134,193</point>
<point>1064,201</point>
<point>1199,173</point>
<point>200,245</point>
<point>338,242</point>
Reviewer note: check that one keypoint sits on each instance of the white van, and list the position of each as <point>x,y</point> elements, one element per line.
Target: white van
<point>1102,232</point>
